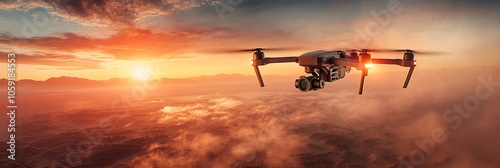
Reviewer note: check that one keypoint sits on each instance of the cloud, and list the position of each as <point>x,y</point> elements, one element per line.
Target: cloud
<point>129,44</point>
<point>220,106</point>
<point>11,4</point>
<point>115,14</point>
<point>60,61</point>
<point>332,130</point>
<point>285,128</point>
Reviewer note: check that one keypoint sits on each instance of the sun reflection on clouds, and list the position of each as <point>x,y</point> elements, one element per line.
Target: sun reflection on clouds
<point>216,109</point>
<point>225,103</point>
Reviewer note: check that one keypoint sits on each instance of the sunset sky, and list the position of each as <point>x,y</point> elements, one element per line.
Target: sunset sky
<point>209,111</point>
<point>120,39</point>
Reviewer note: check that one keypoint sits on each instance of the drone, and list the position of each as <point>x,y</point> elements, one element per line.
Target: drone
<point>332,65</point>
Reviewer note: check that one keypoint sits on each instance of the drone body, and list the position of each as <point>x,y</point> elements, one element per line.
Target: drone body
<point>328,66</point>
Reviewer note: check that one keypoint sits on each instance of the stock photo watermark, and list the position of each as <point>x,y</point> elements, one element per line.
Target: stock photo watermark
<point>379,21</point>
<point>12,106</point>
<point>453,117</point>
<point>30,27</point>
<point>226,6</point>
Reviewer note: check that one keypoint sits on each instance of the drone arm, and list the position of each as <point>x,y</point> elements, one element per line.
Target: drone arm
<point>387,61</point>
<point>265,61</point>
<point>270,60</point>
<point>400,62</point>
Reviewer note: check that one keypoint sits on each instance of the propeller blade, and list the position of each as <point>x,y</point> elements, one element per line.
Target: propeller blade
<point>248,50</point>
<point>419,52</point>
<point>431,53</point>
<point>280,48</point>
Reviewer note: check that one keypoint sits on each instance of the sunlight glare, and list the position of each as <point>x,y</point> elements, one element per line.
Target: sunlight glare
<point>141,73</point>
<point>369,66</point>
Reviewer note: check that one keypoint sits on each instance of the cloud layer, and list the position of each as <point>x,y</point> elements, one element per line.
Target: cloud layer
<point>235,126</point>
<point>105,13</point>
<point>80,52</point>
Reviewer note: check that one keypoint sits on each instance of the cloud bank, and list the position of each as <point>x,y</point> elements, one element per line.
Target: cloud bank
<point>121,13</point>
<point>70,50</point>
<point>235,127</point>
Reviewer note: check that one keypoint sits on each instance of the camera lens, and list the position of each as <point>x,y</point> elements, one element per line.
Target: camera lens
<point>303,84</point>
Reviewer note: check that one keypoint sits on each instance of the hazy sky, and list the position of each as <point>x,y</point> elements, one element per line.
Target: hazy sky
<point>101,40</point>
<point>228,120</point>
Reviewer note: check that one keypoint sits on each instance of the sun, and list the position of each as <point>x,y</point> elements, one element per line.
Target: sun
<point>141,73</point>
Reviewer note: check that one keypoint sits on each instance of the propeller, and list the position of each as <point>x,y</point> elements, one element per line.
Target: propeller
<point>258,56</point>
<point>398,51</point>
<point>408,56</point>
<point>249,50</point>
<point>420,52</point>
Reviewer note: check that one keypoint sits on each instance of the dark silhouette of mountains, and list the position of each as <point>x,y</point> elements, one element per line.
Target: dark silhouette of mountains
<point>65,82</point>
<point>75,82</point>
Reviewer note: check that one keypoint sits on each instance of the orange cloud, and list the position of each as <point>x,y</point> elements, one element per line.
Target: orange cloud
<point>131,44</point>
<point>63,62</point>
